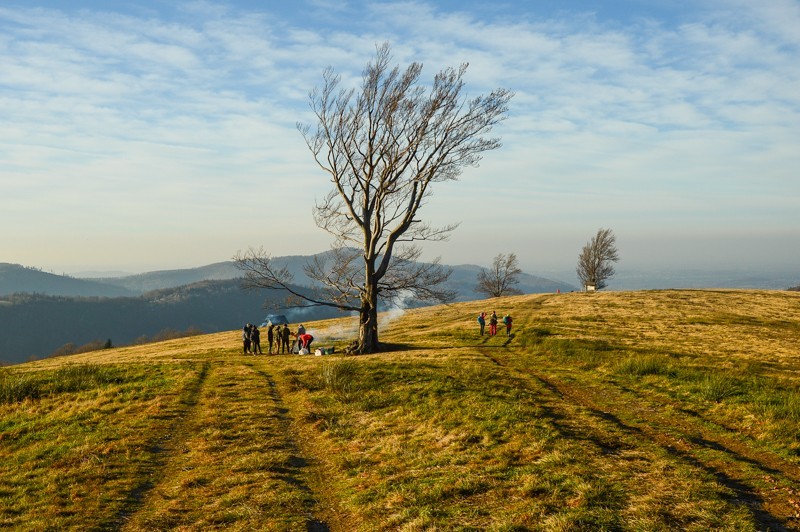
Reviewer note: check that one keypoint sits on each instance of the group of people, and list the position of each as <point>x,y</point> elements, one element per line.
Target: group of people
<point>251,339</point>
<point>277,336</point>
<point>507,321</point>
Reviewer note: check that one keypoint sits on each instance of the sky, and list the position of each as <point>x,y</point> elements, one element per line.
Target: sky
<point>144,135</point>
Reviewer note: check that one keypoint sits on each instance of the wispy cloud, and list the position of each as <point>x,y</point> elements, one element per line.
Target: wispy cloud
<point>160,121</point>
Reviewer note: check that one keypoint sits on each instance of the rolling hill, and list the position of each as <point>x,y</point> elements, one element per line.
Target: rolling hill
<point>656,410</point>
<point>15,279</point>
<point>34,326</point>
<point>61,310</point>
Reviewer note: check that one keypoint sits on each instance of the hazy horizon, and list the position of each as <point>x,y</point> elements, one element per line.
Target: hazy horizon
<point>144,135</point>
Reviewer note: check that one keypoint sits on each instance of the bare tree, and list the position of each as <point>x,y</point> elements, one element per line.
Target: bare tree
<point>501,279</point>
<point>383,147</point>
<point>595,263</point>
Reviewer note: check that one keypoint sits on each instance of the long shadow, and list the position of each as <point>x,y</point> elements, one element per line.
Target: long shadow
<point>742,493</point>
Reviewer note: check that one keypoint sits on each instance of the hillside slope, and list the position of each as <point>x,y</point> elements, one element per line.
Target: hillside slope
<point>666,410</point>
<point>36,326</point>
<point>19,279</point>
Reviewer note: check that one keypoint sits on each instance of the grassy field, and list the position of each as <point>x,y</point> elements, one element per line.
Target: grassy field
<point>652,410</point>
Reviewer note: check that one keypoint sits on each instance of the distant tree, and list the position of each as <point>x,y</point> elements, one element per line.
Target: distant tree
<point>595,263</point>
<point>501,279</point>
<point>794,288</point>
<point>383,147</point>
<point>108,344</point>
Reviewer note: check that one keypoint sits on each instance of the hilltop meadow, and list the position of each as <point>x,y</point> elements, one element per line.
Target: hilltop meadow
<point>646,411</point>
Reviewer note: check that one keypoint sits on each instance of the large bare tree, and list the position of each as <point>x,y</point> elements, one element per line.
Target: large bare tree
<point>501,279</point>
<point>596,261</point>
<point>383,147</point>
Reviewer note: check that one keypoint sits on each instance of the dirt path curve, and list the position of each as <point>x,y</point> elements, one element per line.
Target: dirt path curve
<point>765,483</point>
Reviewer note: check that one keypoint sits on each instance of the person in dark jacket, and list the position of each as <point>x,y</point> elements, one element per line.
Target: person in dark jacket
<point>255,341</point>
<point>508,320</point>
<point>285,334</point>
<point>270,337</point>
<point>246,338</point>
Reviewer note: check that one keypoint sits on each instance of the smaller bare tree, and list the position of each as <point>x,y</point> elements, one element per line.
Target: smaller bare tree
<point>596,261</point>
<point>502,278</point>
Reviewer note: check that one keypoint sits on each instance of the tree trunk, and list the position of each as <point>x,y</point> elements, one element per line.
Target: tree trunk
<point>368,322</point>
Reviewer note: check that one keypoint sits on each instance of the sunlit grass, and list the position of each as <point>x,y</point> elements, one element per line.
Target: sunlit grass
<point>667,410</point>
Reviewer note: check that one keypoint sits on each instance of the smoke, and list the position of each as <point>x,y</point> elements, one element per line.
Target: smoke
<point>347,329</point>
<point>398,307</point>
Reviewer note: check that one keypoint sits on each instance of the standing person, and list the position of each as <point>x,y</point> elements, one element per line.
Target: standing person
<point>493,324</point>
<point>482,321</point>
<point>255,340</point>
<point>270,337</point>
<point>300,331</point>
<point>508,320</point>
<point>285,333</point>
<point>246,339</point>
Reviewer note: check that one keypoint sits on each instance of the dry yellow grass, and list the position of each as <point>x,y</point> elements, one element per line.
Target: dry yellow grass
<point>659,410</point>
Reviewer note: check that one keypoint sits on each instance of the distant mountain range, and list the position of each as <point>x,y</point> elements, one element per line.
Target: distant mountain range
<point>40,312</point>
<point>20,279</point>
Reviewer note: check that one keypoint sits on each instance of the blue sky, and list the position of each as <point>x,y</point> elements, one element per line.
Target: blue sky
<point>135,136</point>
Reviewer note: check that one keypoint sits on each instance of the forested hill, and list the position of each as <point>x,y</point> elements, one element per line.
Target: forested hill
<point>15,279</point>
<point>34,326</point>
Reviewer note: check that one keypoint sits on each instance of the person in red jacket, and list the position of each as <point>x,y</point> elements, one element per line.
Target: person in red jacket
<point>304,340</point>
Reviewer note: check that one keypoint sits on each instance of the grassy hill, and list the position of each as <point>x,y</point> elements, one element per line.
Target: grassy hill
<point>662,410</point>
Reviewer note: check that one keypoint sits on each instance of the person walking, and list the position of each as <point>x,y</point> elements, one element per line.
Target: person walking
<point>482,321</point>
<point>493,324</point>
<point>255,341</point>
<point>508,321</point>
<point>285,333</point>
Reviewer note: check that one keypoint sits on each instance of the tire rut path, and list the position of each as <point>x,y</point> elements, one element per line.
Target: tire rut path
<point>777,508</point>
<point>300,463</point>
<point>160,450</point>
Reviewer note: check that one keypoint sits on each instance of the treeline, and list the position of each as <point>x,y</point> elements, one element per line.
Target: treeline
<point>36,326</point>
